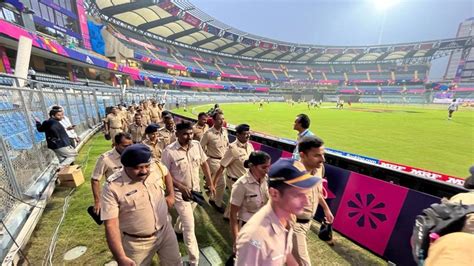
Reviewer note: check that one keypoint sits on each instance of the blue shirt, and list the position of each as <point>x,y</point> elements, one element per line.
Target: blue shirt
<point>296,153</point>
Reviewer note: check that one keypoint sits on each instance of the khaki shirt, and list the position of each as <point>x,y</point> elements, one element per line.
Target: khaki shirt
<point>156,148</point>
<point>107,164</point>
<point>167,135</point>
<point>114,121</point>
<point>137,132</point>
<point>249,195</point>
<point>263,240</point>
<point>130,117</point>
<point>313,197</point>
<point>155,113</point>
<point>184,164</point>
<point>451,249</point>
<point>235,157</point>
<point>199,131</point>
<point>140,206</point>
<point>146,114</point>
<point>215,142</point>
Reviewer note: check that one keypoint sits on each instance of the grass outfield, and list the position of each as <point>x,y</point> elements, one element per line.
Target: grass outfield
<point>211,230</point>
<point>418,136</point>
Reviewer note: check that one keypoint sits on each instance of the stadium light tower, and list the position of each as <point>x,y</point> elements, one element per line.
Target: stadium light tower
<point>383,6</point>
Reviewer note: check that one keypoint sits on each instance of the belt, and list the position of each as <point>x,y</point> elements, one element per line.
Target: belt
<point>116,128</point>
<point>302,221</point>
<point>139,236</point>
<point>232,178</point>
<point>216,158</point>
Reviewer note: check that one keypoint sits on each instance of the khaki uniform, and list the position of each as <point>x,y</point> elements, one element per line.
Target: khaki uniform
<point>116,124</point>
<point>199,131</point>
<point>249,195</point>
<point>215,143</point>
<point>303,222</point>
<point>167,135</point>
<point>143,217</point>
<point>155,115</point>
<point>137,132</point>
<point>184,167</point>
<point>263,240</point>
<point>233,161</point>
<point>130,117</point>
<point>107,164</point>
<point>156,148</point>
<point>146,115</point>
<point>451,249</point>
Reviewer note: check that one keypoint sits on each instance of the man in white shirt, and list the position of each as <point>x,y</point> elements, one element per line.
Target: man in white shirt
<point>451,108</point>
<point>69,127</point>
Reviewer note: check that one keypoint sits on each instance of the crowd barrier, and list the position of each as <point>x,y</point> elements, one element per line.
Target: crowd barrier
<point>373,205</point>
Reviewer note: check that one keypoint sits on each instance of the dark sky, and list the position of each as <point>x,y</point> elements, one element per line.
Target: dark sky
<point>342,22</point>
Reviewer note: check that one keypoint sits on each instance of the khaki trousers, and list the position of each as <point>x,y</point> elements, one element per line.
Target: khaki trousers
<point>185,225</point>
<point>300,248</point>
<point>164,243</point>
<point>214,165</point>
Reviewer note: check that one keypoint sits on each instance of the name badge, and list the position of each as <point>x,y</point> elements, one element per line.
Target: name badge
<point>131,192</point>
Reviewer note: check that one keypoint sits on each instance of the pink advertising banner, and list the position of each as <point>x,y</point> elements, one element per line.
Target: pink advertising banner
<point>83,24</point>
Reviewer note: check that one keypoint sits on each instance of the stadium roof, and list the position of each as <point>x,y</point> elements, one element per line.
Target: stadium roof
<point>180,22</point>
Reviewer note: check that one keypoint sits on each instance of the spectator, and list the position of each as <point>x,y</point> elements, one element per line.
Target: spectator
<point>57,138</point>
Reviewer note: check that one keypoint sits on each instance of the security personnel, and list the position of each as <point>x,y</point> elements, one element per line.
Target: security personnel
<point>137,129</point>
<point>183,158</point>
<point>266,239</point>
<point>250,192</point>
<point>130,114</point>
<point>200,127</point>
<point>155,113</point>
<point>214,143</point>
<point>135,212</point>
<point>233,160</point>
<point>168,133</point>
<point>114,123</point>
<point>107,164</point>
<point>153,141</point>
<point>311,153</point>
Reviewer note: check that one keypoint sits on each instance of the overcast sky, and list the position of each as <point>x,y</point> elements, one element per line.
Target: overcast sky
<point>342,22</point>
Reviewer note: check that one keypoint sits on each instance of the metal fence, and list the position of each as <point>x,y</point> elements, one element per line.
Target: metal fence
<point>23,152</point>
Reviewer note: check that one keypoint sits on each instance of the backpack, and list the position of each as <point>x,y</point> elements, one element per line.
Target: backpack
<point>437,220</point>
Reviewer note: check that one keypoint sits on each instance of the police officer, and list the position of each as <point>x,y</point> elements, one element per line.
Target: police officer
<point>183,158</point>
<point>153,141</point>
<point>155,113</point>
<point>215,142</point>
<point>137,129</point>
<point>233,160</point>
<point>107,164</point>
<point>250,192</point>
<point>311,153</point>
<point>168,133</point>
<point>114,123</point>
<point>135,212</point>
<point>266,239</point>
<point>200,127</point>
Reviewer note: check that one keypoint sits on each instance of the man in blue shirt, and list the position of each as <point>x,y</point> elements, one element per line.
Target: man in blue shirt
<point>56,137</point>
<point>301,125</point>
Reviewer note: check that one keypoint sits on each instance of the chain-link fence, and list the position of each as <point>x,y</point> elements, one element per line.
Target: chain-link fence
<point>23,152</point>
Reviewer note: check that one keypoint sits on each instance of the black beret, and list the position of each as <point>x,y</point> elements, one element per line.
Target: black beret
<point>241,128</point>
<point>135,154</point>
<point>152,128</point>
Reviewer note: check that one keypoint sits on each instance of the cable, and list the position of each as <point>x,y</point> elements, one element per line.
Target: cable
<point>54,239</point>
<point>14,241</point>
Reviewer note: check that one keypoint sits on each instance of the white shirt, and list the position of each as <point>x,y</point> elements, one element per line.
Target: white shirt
<point>65,122</point>
<point>453,106</point>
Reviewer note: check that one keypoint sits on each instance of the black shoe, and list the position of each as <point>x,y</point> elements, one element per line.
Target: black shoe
<point>217,208</point>
<point>225,219</point>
